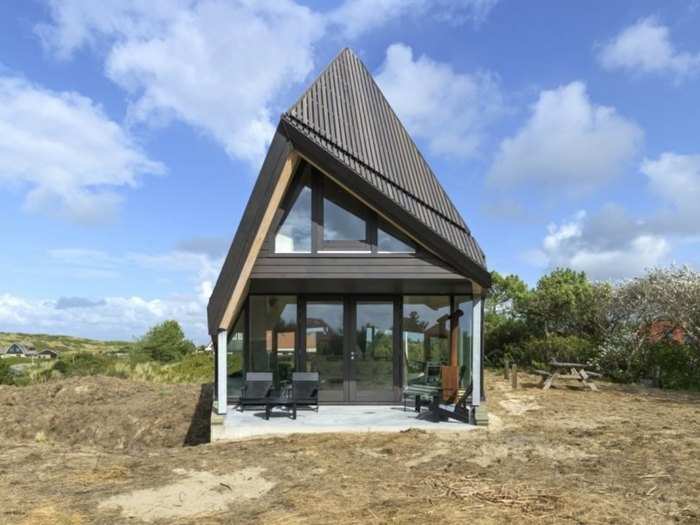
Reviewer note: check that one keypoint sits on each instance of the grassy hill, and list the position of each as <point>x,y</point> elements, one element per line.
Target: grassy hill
<point>64,343</point>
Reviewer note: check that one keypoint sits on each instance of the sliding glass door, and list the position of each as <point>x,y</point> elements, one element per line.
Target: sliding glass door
<point>372,353</point>
<point>350,343</point>
<point>325,346</point>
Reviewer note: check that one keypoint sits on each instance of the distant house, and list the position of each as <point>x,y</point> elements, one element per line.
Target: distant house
<point>668,331</point>
<point>47,354</point>
<point>20,350</point>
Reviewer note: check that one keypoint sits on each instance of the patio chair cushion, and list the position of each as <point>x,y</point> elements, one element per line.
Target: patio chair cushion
<point>305,386</point>
<point>258,385</point>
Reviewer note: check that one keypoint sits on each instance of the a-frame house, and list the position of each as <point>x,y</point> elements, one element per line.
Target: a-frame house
<point>350,259</point>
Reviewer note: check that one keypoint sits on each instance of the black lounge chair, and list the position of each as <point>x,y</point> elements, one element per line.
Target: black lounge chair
<point>305,387</point>
<point>257,390</point>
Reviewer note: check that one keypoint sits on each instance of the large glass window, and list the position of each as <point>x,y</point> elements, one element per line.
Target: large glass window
<point>345,221</point>
<point>373,354</point>
<point>426,337</point>
<point>388,243</point>
<point>324,346</point>
<point>273,327</point>
<point>294,235</point>
<point>464,342</point>
<point>340,224</point>
<point>234,357</point>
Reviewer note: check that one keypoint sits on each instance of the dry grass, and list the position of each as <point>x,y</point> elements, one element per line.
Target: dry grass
<point>622,455</point>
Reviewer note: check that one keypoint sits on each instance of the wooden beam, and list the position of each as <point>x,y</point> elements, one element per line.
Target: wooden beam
<point>239,291</point>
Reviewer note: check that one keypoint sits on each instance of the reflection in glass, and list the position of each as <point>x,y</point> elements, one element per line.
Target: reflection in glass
<point>324,346</point>
<point>425,337</point>
<point>273,325</point>
<point>340,224</point>
<point>234,357</point>
<point>374,350</point>
<point>387,243</point>
<point>294,235</point>
<point>464,344</point>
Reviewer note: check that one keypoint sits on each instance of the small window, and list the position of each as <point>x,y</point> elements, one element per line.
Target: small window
<point>294,235</point>
<point>340,224</point>
<point>388,243</point>
<point>345,222</point>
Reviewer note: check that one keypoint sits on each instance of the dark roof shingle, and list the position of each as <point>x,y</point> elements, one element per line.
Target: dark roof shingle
<point>345,113</point>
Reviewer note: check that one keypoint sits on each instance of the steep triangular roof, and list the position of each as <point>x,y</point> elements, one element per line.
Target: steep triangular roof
<point>344,126</point>
<point>345,113</point>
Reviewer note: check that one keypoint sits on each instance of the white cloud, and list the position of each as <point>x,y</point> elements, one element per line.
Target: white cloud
<point>676,180</point>
<point>215,65</point>
<point>221,66</point>
<point>66,151</point>
<point>118,316</point>
<point>355,17</point>
<point>447,109</point>
<point>568,145</point>
<point>585,244</point>
<point>107,318</point>
<point>645,47</point>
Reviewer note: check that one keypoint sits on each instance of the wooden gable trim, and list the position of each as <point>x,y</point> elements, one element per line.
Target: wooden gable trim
<point>239,291</point>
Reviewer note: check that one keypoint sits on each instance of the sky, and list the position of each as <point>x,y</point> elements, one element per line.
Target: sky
<point>131,134</point>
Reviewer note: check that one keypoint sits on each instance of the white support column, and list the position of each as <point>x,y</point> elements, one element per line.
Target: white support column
<point>222,377</point>
<point>476,351</point>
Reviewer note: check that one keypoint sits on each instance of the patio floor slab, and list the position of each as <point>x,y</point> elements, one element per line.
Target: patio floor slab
<point>330,418</point>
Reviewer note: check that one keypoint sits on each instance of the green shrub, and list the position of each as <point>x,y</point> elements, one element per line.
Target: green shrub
<point>6,377</point>
<point>165,342</point>
<point>193,368</point>
<point>669,364</point>
<point>84,364</point>
<point>540,351</point>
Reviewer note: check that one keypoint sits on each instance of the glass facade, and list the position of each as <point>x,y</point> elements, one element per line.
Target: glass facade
<point>235,356</point>
<point>425,338</point>
<point>294,235</point>
<point>387,243</point>
<point>325,346</point>
<point>373,353</point>
<point>272,339</point>
<point>464,342</point>
<point>352,342</point>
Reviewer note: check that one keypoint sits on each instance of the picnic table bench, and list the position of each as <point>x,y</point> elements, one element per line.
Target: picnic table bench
<point>567,371</point>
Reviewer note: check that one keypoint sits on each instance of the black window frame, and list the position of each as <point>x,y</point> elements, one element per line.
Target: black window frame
<point>309,176</point>
<point>323,187</point>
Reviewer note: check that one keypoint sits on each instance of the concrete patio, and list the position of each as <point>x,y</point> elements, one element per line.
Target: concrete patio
<point>236,425</point>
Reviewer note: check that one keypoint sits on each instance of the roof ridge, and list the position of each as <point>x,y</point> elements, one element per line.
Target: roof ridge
<point>386,179</point>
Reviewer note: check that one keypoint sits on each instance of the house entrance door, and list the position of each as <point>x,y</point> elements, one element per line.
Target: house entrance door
<point>371,349</point>
<point>350,342</point>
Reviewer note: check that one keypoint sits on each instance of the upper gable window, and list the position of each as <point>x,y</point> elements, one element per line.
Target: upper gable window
<point>320,216</point>
<point>388,243</point>
<point>345,223</point>
<point>294,235</point>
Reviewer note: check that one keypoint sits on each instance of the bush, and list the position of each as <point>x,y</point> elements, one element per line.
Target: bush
<point>669,364</point>
<point>165,342</point>
<point>84,364</point>
<point>6,377</point>
<point>500,334</point>
<point>194,368</point>
<point>538,352</point>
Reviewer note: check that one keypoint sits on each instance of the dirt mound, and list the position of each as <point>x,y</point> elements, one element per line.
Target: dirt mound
<point>106,412</point>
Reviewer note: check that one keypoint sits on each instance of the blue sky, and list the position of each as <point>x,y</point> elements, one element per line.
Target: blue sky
<point>131,134</point>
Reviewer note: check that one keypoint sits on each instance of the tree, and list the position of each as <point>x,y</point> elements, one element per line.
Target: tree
<point>165,342</point>
<point>565,303</point>
<point>506,295</point>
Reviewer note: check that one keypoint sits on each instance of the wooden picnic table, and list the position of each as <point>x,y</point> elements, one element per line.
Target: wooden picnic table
<point>567,371</point>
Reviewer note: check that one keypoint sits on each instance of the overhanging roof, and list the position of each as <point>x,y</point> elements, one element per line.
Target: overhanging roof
<point>344,125</point>
<point>345,113</point>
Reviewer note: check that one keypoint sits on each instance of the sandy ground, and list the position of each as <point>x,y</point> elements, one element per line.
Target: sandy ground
<point>102,450</point>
